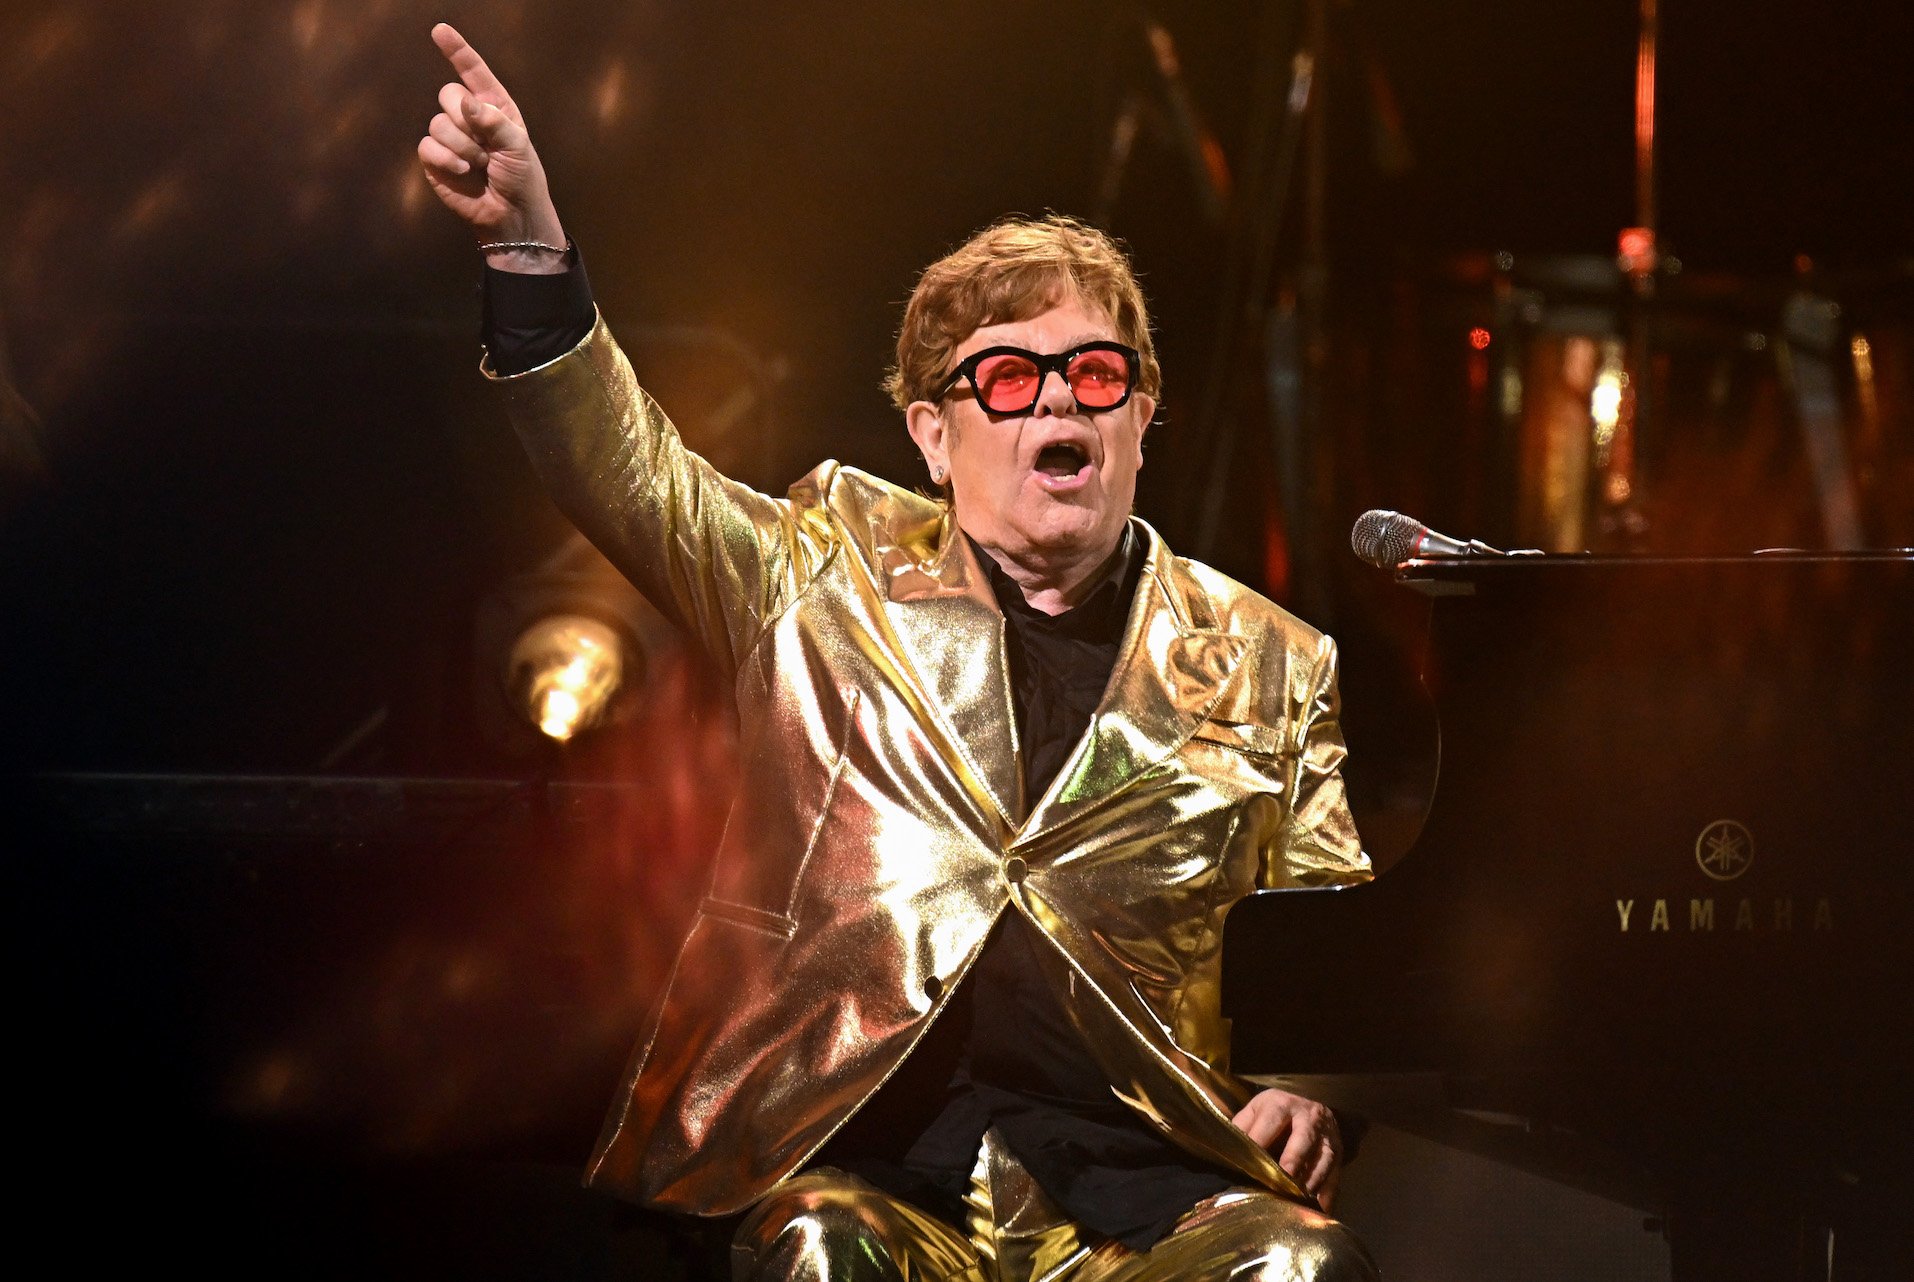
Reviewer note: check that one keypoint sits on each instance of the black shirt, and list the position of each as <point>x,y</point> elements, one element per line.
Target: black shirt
<point>1004,1052</point>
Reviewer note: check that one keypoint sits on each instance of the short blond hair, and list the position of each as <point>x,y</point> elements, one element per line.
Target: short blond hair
<point>1010,271</point>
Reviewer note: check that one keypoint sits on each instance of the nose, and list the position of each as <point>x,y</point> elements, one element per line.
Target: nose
<point>1055,396</point>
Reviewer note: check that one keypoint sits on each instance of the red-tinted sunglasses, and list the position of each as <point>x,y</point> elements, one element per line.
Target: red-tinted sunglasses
<point>1009,380</point>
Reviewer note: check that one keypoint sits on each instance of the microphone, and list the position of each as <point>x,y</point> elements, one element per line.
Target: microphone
<point>1386,539</point>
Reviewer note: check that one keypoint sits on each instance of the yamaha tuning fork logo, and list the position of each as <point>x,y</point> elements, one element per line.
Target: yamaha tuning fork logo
<point>1724,850</point>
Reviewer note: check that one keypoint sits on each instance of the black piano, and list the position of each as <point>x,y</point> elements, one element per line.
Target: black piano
<point>1661,912</point>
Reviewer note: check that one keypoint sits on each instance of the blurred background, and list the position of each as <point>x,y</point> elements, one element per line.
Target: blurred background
<point>270,559</point>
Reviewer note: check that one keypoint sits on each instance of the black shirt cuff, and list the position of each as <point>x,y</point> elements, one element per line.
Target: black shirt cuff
<point>528,320</point>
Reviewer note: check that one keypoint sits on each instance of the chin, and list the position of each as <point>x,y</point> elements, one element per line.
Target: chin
<point>1072,530</point>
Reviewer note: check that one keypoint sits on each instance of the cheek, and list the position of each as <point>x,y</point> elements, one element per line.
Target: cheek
<point>988,464</point>
<point>1126,453</point>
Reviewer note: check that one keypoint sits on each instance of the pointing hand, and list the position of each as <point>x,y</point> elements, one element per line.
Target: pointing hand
<point>479,160</point>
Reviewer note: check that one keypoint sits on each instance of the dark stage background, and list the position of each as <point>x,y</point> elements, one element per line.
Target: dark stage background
<point>256,500</point>
<point>248,334</point>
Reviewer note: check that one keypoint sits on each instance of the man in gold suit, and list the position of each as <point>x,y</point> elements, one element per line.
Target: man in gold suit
<point>950,1006</point>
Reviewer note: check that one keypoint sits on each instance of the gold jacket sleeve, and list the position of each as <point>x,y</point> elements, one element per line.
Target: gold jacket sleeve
<point>718,557</point>
<point>1319,846</point>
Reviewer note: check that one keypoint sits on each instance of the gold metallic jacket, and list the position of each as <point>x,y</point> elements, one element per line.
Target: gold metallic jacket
<point>881,826</point>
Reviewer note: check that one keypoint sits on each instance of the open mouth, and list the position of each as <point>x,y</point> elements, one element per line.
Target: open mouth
<point>1062,460</point>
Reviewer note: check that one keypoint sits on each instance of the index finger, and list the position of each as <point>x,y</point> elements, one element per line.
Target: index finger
<point>473,73</point>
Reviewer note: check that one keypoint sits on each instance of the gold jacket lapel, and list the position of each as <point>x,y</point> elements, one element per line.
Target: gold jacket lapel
<point>1170,671</point>
<point>951,631</point>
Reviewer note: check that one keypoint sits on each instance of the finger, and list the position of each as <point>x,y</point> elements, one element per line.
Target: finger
<point>1328,1160</point>
<point>452,99</point>
<point>1246,1119</point>
<point>439,158</point>
<point>494,130</point>
<point>1326,1196</point>
<point>1268,1127</point>
<point>1299,1154</point>
<point>443,175</point>
<point>456,140</point>
<point>465,60</point>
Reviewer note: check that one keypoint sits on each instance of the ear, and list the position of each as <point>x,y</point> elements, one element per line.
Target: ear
<point>933,436</point>
<point>1145,414</point>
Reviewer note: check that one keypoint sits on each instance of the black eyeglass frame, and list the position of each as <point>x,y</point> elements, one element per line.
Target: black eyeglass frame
<point>1058,364</point>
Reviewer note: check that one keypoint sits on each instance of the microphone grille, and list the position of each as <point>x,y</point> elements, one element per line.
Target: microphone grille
<point>1385,539</point>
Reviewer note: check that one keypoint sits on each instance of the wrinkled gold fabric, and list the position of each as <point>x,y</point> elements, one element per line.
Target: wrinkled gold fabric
<point>827,1226</point>
<point>882,828</point>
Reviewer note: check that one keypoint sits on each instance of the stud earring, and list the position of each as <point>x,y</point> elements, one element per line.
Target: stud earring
<point>937,474</point>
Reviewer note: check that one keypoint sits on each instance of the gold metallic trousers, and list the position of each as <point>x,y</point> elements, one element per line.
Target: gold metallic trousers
<point>827,1226</point>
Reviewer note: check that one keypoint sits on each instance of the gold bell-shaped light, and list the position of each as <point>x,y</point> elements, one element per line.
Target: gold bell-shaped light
<point>563,672</point>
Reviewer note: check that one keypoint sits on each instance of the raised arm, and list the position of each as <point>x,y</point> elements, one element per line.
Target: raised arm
<point>717,556</point>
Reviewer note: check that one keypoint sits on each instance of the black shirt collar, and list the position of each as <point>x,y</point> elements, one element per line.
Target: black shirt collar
<point>1100,615</point>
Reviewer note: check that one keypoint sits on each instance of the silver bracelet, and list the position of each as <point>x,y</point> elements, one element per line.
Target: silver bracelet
<point>566,248</point>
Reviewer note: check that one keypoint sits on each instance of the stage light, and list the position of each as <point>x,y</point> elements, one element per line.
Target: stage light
<point>1605,404</point>
<point>563,658</point>
<point>1607,399</point>
<point>563,673</point>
